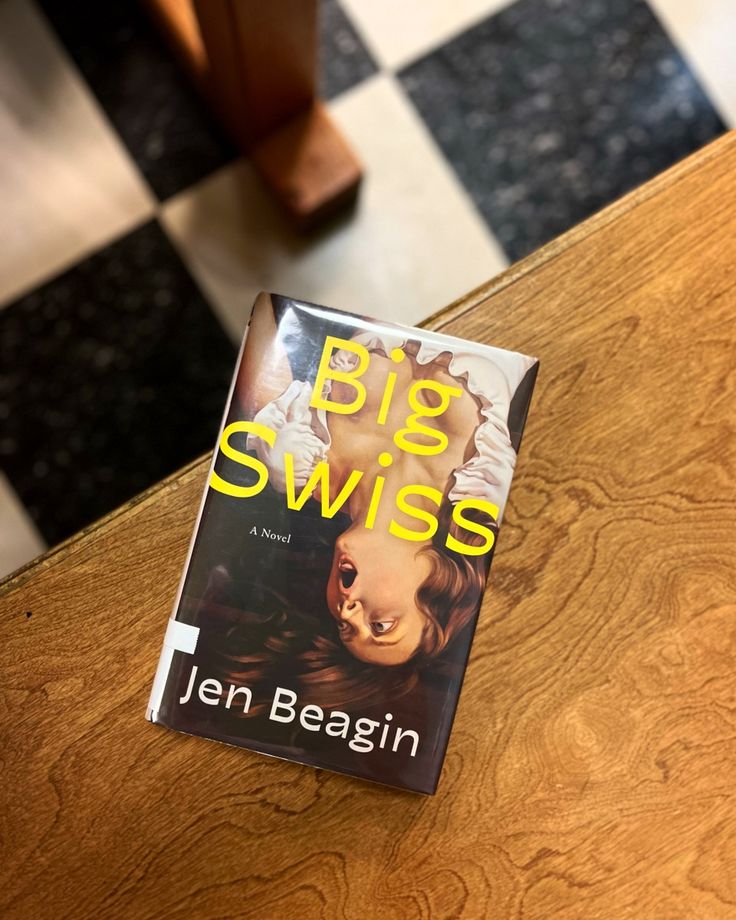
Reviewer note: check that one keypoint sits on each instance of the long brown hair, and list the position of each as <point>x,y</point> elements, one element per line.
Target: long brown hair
<point>285,637</point>
<point>450,596</point>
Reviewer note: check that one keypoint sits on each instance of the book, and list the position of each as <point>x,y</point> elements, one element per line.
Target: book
<point>343,543</point>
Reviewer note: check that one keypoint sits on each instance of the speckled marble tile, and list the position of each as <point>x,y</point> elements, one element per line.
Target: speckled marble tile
<point>67,184</point>
<point>553,108</point>
<point>113,376</point>
<point>399,32</point>
<point>168,130</point>
<point>20,541</point>
<point>705,32</point>
<point>344,60</point>
<point>413,243</point>
<point>159,116</point>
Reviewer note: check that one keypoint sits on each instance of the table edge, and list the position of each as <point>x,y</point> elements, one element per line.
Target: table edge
<point>438,320</point>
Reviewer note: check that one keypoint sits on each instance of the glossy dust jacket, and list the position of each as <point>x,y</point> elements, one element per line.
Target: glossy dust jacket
<point>337,568</point>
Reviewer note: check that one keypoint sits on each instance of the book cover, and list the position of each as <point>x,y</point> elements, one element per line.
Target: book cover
<point>336,572</point>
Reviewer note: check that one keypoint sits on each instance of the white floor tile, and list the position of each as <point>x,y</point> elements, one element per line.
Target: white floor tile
<point>415,243</point>
<point>400,32</point>
<point>19,540</point>
<point>67,186</point>
<point>705,33</point>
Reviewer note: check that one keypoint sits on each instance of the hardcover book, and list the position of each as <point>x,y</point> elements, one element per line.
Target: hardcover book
<point>336,572</point>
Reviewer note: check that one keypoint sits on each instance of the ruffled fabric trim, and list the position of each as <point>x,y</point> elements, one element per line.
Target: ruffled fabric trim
<point>492,380</point>
<point>298,432</point>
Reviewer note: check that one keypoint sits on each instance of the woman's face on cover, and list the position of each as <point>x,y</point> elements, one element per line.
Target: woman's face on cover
<point>371,595</point>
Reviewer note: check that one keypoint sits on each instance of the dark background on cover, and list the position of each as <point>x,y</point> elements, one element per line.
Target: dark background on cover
<point>256,569</point>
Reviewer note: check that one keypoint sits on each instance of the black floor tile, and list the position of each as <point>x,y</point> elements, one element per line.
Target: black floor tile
<point>553,108</point>
<point>113,375</point>
<point>344,59</point>
<point>166,127</point>
<point>161,119</point>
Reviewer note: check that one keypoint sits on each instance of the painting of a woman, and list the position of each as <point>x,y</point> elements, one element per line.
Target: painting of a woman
<point>369,609</point>
<point>394,599</point>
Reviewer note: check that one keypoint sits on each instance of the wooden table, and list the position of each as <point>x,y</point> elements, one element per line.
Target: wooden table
<point>592,766</point>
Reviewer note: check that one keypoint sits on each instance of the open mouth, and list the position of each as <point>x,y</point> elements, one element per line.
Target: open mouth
<point>348,572</point>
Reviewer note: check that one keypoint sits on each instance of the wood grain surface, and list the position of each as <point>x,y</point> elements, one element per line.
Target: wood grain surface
<point>592,765</point>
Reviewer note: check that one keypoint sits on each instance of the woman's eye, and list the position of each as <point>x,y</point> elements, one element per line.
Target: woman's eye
<point>343,627</point>
<point>382,626</point>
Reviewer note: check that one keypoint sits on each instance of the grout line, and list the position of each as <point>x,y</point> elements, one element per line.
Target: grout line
<point>455,33</point>
<point>691,54</point>
<point>580,232</point>
<point>58,271</point>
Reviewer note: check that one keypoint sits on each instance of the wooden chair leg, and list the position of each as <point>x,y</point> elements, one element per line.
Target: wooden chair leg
<point>178,24</point>
<point>256,62</point>
<point>309,166</point>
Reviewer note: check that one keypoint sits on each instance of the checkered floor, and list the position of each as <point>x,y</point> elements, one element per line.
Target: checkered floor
<point>135,238</point>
